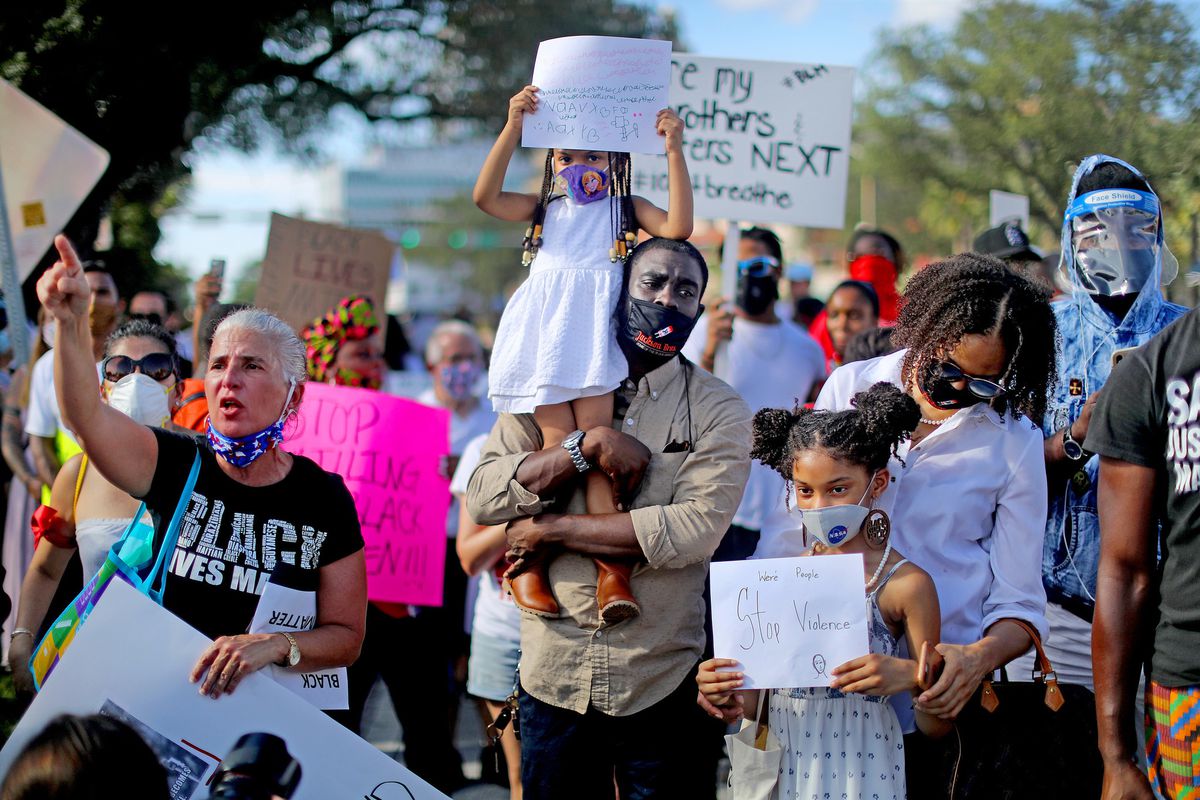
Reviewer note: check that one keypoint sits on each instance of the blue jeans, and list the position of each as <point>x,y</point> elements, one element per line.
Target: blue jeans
<point>651,753</point>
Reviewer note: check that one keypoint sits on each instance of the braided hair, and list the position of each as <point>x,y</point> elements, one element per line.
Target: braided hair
<point>968,294</point>
<point>865,435</point>
<point>622,217</point>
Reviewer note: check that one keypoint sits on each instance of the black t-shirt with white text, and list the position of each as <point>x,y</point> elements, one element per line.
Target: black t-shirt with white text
<point>1149,415</point>
<point>232,536</point>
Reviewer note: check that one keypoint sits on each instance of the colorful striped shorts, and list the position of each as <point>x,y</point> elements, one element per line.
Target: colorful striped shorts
<point>1173,740</point>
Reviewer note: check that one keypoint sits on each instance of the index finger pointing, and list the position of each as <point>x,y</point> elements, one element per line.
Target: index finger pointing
<point>67,254</point>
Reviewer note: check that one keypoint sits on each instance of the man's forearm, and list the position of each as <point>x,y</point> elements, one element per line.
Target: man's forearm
<point>1122,600</point>
<point>544,472</point>
<point>599,535</point>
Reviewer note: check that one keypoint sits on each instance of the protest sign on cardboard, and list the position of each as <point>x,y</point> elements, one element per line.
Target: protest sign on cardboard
<point>310,266</point>
<point>48,169</point>
<point>132,659</point>
<point>765,141</point>
<point>388,451</point>
<point>599,93</point>
<point>789,621</point>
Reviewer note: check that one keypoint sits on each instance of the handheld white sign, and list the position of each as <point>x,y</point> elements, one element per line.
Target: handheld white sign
<point>789,621</point>
<point>599,93</point>
<point>765,141</point>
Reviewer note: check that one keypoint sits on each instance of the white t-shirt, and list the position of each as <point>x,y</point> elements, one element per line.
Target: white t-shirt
<point>771,366</point>
<point>495,612</point>
<point>462,430</point>
<point>43,417</point>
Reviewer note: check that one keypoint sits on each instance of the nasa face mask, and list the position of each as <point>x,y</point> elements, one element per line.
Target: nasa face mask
<point>833,526</point>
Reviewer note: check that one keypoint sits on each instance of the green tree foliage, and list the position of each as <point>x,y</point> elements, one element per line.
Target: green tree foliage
<point>1014,97</point>
<point>146,81</point>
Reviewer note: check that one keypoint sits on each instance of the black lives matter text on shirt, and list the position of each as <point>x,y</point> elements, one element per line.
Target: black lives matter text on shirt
<point>1149,415</point>
<point>231,536</point>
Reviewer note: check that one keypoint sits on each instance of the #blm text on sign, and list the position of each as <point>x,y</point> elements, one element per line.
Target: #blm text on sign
<point>388,451</point>
<point>599,93</point>
<point>310,266</point>
<point>764,141</point>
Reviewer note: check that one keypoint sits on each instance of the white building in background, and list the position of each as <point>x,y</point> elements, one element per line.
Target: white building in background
<point>395,189</point>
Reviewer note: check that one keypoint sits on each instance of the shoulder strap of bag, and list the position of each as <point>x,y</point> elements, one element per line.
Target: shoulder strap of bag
<point>157,580</point>
<point>763,719</point>
<point>1044,673</point>
<point>83,465</point>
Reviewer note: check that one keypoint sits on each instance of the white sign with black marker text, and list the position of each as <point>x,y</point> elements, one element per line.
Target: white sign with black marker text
<point>765,141</point>
<point>789,621</point>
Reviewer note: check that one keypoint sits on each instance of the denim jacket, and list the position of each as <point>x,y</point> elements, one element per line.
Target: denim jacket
<point>1088,335</point>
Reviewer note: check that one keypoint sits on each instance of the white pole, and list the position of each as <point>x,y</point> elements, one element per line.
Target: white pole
<point>729,276</point>
<point>11,286</point>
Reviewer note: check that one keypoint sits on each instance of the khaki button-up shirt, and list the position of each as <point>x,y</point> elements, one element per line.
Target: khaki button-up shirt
<point>698,432</point>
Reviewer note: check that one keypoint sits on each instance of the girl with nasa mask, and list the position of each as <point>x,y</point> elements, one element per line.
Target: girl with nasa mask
<point>845,738</point>
<point>556,354</point>
<point>87,512</point>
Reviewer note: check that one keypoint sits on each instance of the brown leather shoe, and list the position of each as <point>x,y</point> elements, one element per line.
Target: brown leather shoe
<point>531,592</point>
<point>613,593</point>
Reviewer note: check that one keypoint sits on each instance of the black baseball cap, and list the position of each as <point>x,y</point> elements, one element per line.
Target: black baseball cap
<point>1007,242</point>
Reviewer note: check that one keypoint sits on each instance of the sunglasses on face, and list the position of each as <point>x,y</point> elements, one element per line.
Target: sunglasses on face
<point>158,366</point>
<point>758,267</point>
<point>983,389</point>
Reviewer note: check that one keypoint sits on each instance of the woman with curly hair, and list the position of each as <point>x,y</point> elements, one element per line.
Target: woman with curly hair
<point>969,497</point>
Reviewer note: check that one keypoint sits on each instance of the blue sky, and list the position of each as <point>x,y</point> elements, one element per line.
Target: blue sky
<point>233,194</point>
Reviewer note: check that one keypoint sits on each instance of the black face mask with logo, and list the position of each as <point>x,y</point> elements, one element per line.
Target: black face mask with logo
<point>650,329</point>
<point>756,293</point>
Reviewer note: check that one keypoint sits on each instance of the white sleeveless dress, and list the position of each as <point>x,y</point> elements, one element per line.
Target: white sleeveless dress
<point>557,339</point>
<point>837,745</point>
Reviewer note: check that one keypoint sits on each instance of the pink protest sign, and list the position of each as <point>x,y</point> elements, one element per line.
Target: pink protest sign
<point>388,451</point>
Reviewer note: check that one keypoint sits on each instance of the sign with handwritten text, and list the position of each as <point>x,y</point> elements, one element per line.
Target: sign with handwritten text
<point>765,141</point>
<point>789,621</point>
<point>388,451</point>
<point>310,266</point>
<point>599,93</point>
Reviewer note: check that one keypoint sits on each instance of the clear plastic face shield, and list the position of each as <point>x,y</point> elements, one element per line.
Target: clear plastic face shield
<point>1117,242</point>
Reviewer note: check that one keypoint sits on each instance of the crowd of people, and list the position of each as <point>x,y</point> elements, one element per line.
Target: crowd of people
<point>953,425</point>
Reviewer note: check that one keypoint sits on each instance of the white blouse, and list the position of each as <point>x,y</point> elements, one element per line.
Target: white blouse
<point>968,505</point>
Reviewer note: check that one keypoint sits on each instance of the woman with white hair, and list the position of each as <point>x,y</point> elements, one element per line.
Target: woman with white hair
<point>255,507</point>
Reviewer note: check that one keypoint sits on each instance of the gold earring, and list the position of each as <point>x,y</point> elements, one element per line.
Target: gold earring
<point>878,528</point>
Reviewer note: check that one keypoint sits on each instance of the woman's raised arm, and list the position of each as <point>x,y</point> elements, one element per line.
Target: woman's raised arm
<point>124,451</point>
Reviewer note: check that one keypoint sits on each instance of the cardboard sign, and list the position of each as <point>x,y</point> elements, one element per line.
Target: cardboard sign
<point>388,450</point>
<point>132,659</point>
<point>599,93</point>
<point>764,141</point>
<point>1007,207</point>
<point>789,621</point>
<point>310,266</point>
<point>286,609</point>
<point>48,169</point>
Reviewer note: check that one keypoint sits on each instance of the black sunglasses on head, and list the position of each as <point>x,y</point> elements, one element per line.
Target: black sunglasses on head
<point>158,366</point>
<point>980,387</point>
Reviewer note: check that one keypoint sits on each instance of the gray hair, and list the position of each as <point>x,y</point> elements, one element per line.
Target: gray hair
<point>286,346</point>
<point>451,327</point>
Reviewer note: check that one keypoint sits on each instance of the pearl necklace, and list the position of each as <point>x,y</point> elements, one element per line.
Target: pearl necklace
<point>887,551</point>
<point>936,422</point>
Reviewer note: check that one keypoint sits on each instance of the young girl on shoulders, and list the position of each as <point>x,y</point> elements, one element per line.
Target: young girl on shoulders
<point>556,354</point>
<point>844,739</point>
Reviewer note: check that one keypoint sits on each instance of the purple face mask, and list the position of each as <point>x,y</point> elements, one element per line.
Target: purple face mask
<point>582,183</point>
<point>459,379</point>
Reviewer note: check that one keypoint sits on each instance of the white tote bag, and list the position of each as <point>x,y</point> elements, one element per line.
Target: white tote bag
<point>754,756</point>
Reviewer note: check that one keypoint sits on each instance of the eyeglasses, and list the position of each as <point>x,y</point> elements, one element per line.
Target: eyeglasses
<point>758,267</point>
<point>983,389</point>
<point>158,366</point>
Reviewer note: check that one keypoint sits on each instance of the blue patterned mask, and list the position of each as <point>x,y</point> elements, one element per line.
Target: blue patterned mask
<point>245,450</point>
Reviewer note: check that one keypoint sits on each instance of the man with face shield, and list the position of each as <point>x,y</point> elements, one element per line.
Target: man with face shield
<point>1115,259</point>
<point>596,697</point>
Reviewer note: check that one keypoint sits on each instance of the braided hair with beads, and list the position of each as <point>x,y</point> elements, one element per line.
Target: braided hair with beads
<point>622,216</point>
<point>972,294</point>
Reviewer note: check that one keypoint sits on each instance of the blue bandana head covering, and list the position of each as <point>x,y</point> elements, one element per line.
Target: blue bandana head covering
<point>245,450</point>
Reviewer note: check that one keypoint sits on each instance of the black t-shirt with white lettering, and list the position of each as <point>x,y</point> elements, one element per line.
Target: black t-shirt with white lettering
<point>232,536</point>
<point>1149,415</point>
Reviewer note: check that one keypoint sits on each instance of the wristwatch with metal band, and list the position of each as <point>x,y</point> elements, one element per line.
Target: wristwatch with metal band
<point>293,656</point>
<point>572,445</point>
<point>1071,448</point>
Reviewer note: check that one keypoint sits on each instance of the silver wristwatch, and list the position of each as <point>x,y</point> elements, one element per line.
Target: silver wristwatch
<point>572,445</point>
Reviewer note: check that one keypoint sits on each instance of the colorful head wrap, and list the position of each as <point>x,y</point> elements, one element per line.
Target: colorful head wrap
<point>352,319</point>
